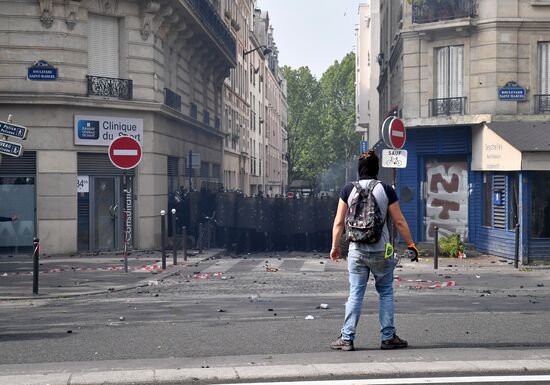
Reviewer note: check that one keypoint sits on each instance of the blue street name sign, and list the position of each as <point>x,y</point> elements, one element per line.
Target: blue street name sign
<point>512,93</point>
<point>42,70</point>
<point>10,148</point>
<point>364,146</point>
<point>14,130</point>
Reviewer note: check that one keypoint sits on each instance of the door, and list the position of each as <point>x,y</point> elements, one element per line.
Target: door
<point>446,198</point>
<point>105,210</point>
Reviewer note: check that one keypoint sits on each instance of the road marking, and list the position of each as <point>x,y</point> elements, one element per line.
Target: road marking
<point>125,152</point>
<point>422,380</point>
<point>221,265</point>
<point>313,265</point>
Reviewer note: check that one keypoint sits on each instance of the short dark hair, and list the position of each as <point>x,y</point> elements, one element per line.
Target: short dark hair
<point>368,165</point>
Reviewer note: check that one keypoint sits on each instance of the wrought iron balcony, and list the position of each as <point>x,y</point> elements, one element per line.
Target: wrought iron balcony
<point>542,104</point>
<point>172,99</point>
<point>209,16</point>
<point>431,11</point>
<point>447,106</point>
<point>110,87</point>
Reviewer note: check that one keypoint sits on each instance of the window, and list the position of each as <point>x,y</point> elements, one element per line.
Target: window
<point>487,200</point>
<point>205,170</point>
<point>540,205</point>
<point>103,57</point>
<point>450,72</point>
<point>544,68</point>
<point>173,173</point>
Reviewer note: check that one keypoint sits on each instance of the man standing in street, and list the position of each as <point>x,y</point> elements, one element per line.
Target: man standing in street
<point>375,257</point>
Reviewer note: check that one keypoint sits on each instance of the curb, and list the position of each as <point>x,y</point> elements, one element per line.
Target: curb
<point>171,270</point>
<point>218,375</point>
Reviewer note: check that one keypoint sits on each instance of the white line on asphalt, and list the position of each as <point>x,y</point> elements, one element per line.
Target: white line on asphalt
<point>221,266</point>
<point>125,152</point>
<point>422,380</point>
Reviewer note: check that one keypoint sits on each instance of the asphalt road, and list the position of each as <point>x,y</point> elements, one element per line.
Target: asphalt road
<point>255,308</point>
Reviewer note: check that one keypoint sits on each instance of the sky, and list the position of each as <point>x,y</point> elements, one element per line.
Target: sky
<point>312,33</point>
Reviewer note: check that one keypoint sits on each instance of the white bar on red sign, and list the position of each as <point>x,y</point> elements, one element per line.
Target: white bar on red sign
<point>125,152</point>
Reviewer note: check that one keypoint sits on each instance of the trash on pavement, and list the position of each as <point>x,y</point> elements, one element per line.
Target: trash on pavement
<point>324,306</point>
<point>310,317</point>
<point>478,276</point>
<point>221,311</point>
<point>121,318</point>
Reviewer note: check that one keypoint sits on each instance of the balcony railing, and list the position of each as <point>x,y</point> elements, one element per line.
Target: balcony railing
<point>172,99</point>
<point>208,15</point>
<point>447,106</point>
<point>110,87</point>
<point>430,11</point>
<point>542,104</point>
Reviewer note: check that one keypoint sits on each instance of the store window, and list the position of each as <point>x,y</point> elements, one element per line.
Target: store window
<point>540,205</point>
<point>17,195</point>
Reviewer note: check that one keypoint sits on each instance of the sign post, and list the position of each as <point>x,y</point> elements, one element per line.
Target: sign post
<point>125,153</point>
<point>8,129</point>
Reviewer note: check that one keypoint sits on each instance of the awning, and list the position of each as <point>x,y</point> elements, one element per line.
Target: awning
<point>511,146</point>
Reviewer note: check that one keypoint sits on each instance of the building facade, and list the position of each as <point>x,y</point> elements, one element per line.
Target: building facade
<point>470,80</point>
<point>255,105</point>
<point>78,74</point>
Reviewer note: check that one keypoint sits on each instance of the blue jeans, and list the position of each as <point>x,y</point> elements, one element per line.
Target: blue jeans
<point>360,265</point>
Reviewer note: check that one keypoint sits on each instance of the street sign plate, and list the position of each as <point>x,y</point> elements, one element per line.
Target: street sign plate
<point>10,148</point>
<point>125,152</point>
<point>14,130</point>
<point>394,158</point>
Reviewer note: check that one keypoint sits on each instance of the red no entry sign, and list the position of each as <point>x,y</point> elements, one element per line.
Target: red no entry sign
<point>125,152</point>
<point>394,133</point>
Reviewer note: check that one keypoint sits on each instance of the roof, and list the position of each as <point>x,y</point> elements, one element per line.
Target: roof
<point>524,135</point>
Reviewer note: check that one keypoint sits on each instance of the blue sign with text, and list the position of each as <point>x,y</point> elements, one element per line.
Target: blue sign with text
<point>364,146</point>
<point>512,91</point>
<point>42,70</point>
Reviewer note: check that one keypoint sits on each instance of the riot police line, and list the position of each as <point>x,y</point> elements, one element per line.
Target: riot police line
<point>258,223</point>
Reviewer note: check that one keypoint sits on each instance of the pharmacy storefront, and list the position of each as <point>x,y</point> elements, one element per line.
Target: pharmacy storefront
<point>106,209</point>
<point>511,186</point>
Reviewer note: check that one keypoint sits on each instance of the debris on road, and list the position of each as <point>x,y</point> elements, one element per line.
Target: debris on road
<point>478,276</point>
<point>221,311</point>
<point>323,306</point>
<point>121,318</point>
<point>309,317</point>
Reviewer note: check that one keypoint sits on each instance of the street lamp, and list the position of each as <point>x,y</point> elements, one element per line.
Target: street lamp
<point>265,51</point>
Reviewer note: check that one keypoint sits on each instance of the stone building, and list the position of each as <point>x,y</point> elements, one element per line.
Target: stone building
<point>79,73</point>
<point>255,106</point>
<point>470,79</point>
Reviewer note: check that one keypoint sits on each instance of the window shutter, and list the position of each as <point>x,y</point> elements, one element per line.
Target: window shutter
<point>456,76</point>
<point>544,68</point>
<point>442,72</point>
<point>499,211</point>
<point>103,46</point>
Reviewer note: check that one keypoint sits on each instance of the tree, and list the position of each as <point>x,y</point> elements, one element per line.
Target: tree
<point>321,124</point>
<point>337,95</point>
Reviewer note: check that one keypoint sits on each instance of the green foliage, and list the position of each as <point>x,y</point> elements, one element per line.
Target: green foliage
<point>321,124</point>
<point>451,245</point>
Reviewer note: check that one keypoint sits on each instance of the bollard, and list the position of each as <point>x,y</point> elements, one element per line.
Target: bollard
<point>163,237</point>
<point>35,264</point>
<point>184,242</point>
<point>436,247</point>
<point>200,240</point>
<point>516,248</point>
<point>174,237</point>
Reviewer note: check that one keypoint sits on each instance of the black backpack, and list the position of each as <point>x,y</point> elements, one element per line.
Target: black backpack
<point>364,219</point>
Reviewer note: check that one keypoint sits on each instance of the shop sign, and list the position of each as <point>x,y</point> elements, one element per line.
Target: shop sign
<point>512,92</point>
<point>42,70</point>
<point>83,184</point>
<point>102,130</point>
<point>492,153</point>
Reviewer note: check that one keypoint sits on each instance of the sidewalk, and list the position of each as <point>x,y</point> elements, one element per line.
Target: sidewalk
<point>88,273</point>
<point>367,364</point>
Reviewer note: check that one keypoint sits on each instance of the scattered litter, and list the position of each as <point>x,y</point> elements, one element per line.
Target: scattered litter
<point>221,311</point>
<point>512,295</point>
<point>503,260</point>
<point>533,301</point>
<point>461,255</point>
<point>69,331</point>
<point>478,276</point>
<point>111,289</point>
<point>324,306</point>
<point>96,353</point>
<point>159,347</point>
<point>448,276</point>
<point>540,285</point>
<point>271,269</point>
<point>310,317</point>
<point>121,318</point>
<point>269,309</point>
<point>153,283</point>
<point>525,269</point>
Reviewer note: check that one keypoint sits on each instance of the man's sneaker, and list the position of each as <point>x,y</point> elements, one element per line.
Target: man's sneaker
<point>340,344</point>
<point>394,343</point>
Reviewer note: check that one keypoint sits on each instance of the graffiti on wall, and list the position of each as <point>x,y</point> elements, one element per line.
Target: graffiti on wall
<point>446,199</point>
